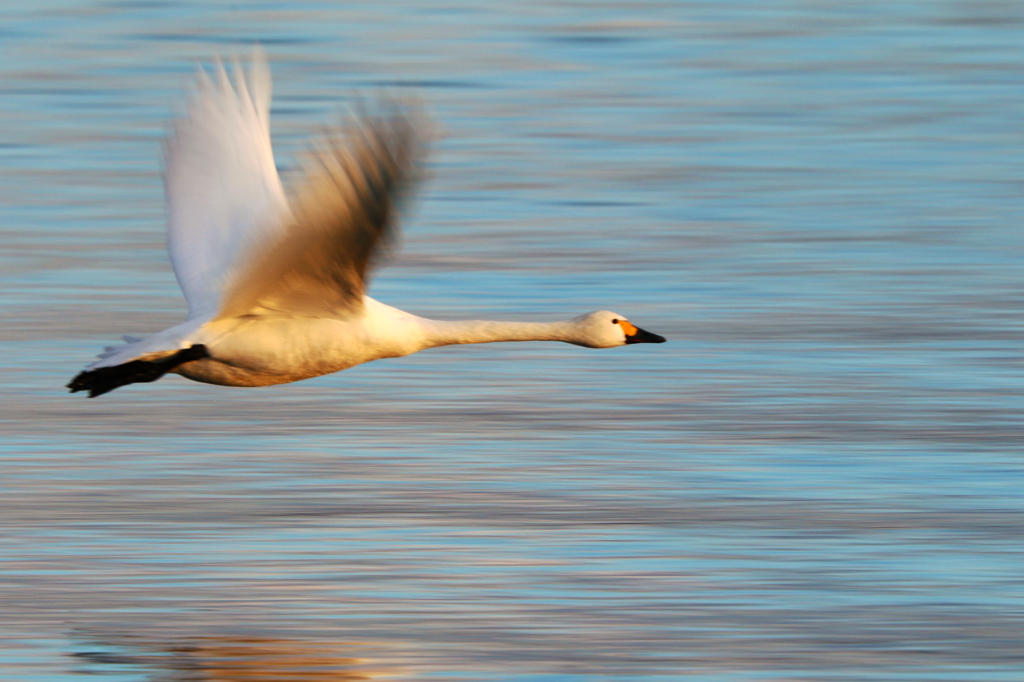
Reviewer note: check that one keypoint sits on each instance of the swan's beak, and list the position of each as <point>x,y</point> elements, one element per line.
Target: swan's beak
<point>638,335</point>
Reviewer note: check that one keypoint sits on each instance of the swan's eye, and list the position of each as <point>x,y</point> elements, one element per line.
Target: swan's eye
<point>615,321</point>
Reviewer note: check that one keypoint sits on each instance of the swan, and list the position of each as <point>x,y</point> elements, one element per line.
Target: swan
<point>275,285</point>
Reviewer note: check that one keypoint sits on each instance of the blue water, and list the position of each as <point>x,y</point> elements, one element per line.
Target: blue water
<point>818,478</point>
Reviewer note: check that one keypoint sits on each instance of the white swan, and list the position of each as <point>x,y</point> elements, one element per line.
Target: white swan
<point>275,287</point>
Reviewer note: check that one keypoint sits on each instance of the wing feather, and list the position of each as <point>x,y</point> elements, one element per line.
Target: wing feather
<point>343,214</point>
<point>224,195</point>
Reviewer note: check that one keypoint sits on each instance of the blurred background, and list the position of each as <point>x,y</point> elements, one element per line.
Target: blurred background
<point>817,478</point>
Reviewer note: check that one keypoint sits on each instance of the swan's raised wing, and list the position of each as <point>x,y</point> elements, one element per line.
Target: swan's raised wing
<point>342,214</point>
<point>224,195</point>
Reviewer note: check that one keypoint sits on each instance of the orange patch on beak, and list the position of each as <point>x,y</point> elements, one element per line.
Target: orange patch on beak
<point>627,327</point>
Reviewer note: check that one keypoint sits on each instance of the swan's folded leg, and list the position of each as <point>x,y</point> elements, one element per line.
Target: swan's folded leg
<point>106,379</point>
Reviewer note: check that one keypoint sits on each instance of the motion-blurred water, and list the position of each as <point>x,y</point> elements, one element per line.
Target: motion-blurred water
<point>818,478</point>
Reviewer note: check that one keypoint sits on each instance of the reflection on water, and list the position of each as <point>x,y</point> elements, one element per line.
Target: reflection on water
<point>818,478</point>
<point>229,659</point>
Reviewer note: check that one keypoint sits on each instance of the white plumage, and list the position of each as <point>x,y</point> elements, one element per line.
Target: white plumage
<point>275,287</point>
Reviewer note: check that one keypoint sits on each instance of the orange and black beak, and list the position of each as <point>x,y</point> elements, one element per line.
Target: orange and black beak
<point>638,335</point>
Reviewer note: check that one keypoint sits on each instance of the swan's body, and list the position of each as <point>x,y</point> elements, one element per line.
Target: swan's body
<point>276,287</point>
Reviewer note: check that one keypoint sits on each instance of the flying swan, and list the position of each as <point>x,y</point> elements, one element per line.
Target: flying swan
<point>275,286</point>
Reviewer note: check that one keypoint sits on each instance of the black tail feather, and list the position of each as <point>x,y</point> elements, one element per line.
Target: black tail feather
<point>106,379</point>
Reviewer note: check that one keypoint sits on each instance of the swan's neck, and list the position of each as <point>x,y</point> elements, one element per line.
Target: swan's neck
<point>444,333</point>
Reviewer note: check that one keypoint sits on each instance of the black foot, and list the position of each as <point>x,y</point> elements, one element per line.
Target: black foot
<point>106,379</point>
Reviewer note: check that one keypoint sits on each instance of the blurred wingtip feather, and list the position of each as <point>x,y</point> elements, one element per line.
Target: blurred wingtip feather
<point>343,213</point>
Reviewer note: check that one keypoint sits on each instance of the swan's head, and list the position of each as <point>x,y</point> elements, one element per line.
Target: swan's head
<point>605,329</point>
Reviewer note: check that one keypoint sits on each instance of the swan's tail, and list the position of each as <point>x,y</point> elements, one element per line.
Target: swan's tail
<point>105,379</point>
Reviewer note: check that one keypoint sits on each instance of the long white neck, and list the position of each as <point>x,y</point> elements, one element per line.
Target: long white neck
<point>444,333</point>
